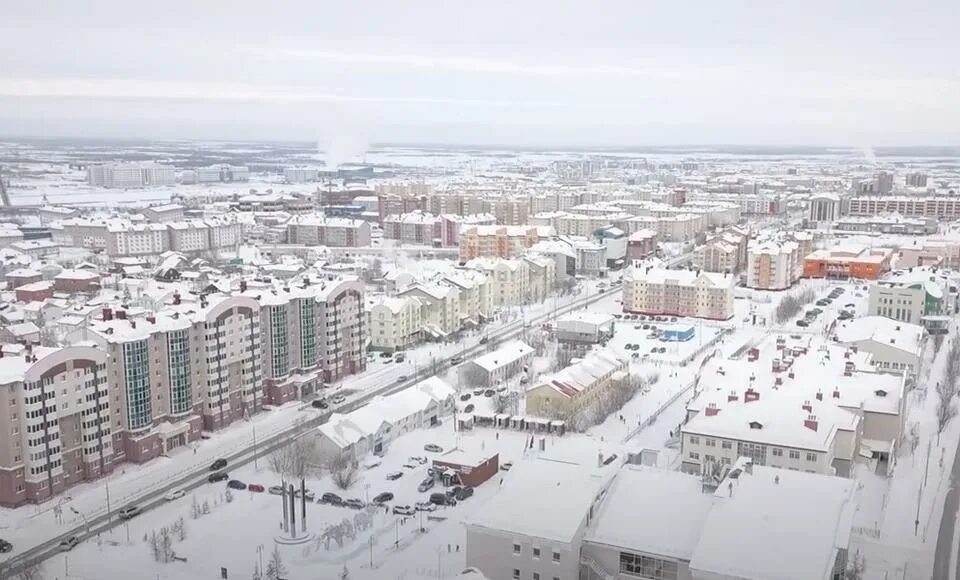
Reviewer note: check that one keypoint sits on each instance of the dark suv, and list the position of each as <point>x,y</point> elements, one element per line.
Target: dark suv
<point>442,499</point>
<point>218,464</point>
<point>218,476</point>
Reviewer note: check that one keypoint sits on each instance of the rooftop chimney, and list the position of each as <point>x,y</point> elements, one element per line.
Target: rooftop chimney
<point>819,395</point>
<point>711,410</point>
<point>807,407</point>
<point>152,319</point>
<point>811,422</point>
<point>133,324</point>
<point>732,397</point>
<point>121,314</point>
<point>243,285</point>
<point>107,314</point>
<point>176,298</point>
<point>751,396</point>
<point>836,393</point>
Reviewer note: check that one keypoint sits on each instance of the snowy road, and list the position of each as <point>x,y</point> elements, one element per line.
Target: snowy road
<point>945,539</point>
<point>367,386</point>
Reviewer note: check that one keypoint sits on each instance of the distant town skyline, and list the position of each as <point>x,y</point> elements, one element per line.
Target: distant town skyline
<point>564,73</point>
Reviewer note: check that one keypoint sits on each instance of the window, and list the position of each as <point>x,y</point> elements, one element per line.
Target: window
<point>811,456</point>
<point>647,566</point>
<point>777,452</point>
<point>709,458</point>
<point>694,440</point>
<point>711,442</point>
<point>726,445</point>
<point>516,548</point>
<point>694,455</point>
<point>794,454</point>
<point>536,552</point>
<point>516,572</point>
<point>556,556</point>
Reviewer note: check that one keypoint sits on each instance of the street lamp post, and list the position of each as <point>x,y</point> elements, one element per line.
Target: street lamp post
<point>79,513</point>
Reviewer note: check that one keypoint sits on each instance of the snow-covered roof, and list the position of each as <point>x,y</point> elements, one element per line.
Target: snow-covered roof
<point>644,494</point>
<point>507,354</point>
<point>893,333</point>
<point>579,377</point>
<point>77,275</point>
<point>776,523</point>
<point>544,498</point>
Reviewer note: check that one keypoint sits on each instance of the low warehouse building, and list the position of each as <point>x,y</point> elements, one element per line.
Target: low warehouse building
<point>471,468</point>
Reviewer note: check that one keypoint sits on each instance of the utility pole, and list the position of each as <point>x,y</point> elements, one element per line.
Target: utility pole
<point>255,464</point>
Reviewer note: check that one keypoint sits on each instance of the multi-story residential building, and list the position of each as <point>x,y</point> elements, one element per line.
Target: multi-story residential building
<point>773,265</point>
<point>641,245</point>
<point>750,204</point>
<point>916,179</point>
<point>496,241</point>
<point>508,280</point>
<point>221,173</point>
<point>223,232</point>
<point>510,211</point>
<point>892,224</point>
<point>476,298</point>
<point>937,207</point>
<point>170,212</point>
<point>390,204</point>
<point>56,415</point>
<point>127,239</point>
<point>189,236</point>
<point>418,228</point>
<point>848,262</point>
<point>657,291</point>
<point>717,255</point>
<point>312,333</point>
<point>300,174</point>
<point>459,204</point>
<point>450,226</point>
<point>440,312</point>
<point>318,230</point>
<point>394,323</point>
<point>542,276</point>
<point>130,175</point>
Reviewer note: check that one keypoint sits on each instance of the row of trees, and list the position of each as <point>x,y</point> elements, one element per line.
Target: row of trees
<point>791,304</point>
<point>947,388</point>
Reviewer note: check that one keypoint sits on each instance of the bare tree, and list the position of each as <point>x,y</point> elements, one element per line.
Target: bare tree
<point>155,546</point>
<point>343,471</point>
<point>34,571</point>
<point>180,529</point>
<point>166,544</point>
<point>791,304</point>
<point>195,511</point>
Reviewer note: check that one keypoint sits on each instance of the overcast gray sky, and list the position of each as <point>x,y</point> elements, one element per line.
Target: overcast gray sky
<point>523,72</point>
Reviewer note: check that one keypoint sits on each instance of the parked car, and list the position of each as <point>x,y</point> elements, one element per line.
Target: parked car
<point>385,355</point>
<point>399,358</point>
<point>218,476</point>
<point>662,349</point>
<point>69,543</point>
<point>465,397</point>
<point>236,484</point>
<point>275,490</point>
<point>403,510</point>
<point>5,546</point>
<point>218,465</point>
<point>330,498</point>
<point>175,494</point>
<point>454,361</point>
<point>308,494</point>
<point>354,503</point>
<point>803,323</point>
<point>418,459</point>
<point>425,485</point>
<point>489,393</point>
<point>635,355</point>
<point>452,492</point>
<point>339,399</point>
<point>506,466</point>
<point>426,506</point>
<point>394,475</point>
<point>484,340</point>
<point>411,465</point>
<point>255,488</point>
<point>477,392</point>
<point>320,404</point>
<point>442,499</point>
<point>382,498</point>
<point>130,511</point>
<point>464,493</point>
<point>401,378</point>
<point>469,408</point>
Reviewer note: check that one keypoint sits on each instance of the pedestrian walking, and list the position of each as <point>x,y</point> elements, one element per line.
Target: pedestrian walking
<point>448,548</point>
<point>458,547</point>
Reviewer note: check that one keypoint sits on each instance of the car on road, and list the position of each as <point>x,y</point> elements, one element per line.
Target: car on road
<point>489,393</point>
<point>308,494</point>
<point>339,399</point>
<point>236,484</point>
<point>354,503</point>
<point>402,379</point>
<point>130,511</point>
<point>425,485</point>
<point>442,499</point>
<point>433,448</point>
<point>477,392</point>
<point>418,459</point>
<point>175,494</point>
<point>394,475</point>
<point>469,408</point>
<point>454,361</point>
<point>411,465</point>
<point>464,493</point>
<point>255,488</point>
<point>484,340</point>
<point>426,506</point>
<point>465,397</point>
<point>320,404</point>
<point>218,476</point>
<point>218,465</point>
<point>330,498</point>
<point>506,466</point>
<point>382,498</point>
<point>275,490</point>
<point>5,547</point>
<point>69,543</point>
<point>662,350</point>
<point>399,358</point>
<point>403,510</point>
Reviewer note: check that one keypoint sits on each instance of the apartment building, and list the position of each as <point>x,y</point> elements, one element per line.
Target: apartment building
<point>170,212</point>
<point>224,232</point>
<point>394,323</point>
<point>417,227</point>
<point>313,332</point>
<point>541,276</point>
<point>450,226</point>
<point>510,211</point>
<point>496,241</point>
<point>717,255</point>
<point>508,280</point>
<point>476,299</point>
<point>937,207</point>
<point>300,174</point>
<point>657,291</point>
<point>440,312</point>
<point>887,224</point>
<point>641,245</point>
<point>848,262</point>
<point>459,204</point>
<point>189,236</point>
<point>773,265</point>
<point>318,230</point>
<point>130,175</point>
<point>56,413</point>
<point>220,173</point>
<point>749,203</point>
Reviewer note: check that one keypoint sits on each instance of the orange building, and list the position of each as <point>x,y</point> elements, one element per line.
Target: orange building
<point>862,263</point>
